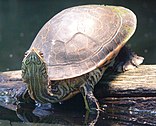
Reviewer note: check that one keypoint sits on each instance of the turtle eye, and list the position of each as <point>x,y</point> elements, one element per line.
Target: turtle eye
<point>41,54</point>
<point>26,53</point>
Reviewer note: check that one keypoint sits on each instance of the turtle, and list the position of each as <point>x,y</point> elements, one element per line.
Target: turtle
<point>73,49</point>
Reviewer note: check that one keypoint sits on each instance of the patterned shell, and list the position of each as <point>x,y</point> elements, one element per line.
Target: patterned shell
<point>79,39</point>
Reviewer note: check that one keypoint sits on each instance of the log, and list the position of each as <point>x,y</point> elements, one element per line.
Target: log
<point>10,84</point>
<point>138,82</point>
<point>129,97</point>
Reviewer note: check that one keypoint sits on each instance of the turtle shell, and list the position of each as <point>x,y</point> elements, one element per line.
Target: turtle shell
<point>79,39</point>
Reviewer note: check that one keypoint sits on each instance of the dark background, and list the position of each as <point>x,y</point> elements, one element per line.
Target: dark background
<point>20,21</point>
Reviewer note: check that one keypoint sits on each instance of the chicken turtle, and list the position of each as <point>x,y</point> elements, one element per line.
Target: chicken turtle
<point>72,51</point>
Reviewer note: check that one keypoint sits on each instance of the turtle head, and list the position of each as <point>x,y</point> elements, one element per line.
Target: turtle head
<point>34,74</point>
<point>33,66</point>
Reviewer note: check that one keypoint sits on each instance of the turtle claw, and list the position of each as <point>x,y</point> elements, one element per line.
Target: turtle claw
<point>92,103</point>
<point>134,62</point>
<point>129,65</point>
<point>126,60</point>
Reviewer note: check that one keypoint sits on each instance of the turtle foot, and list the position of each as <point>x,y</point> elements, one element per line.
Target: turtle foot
<point>93,105</point>
<point>91,119</point>
<point>127,60</point>
<point>23,97</point>
<point>134,62</point>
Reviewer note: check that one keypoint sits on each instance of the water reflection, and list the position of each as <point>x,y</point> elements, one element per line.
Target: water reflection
<point>54,116</point>
<point>119,111</point>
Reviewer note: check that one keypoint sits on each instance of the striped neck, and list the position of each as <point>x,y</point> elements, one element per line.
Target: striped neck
<point>34,73</point>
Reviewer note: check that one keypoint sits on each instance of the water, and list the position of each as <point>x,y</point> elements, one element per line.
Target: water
<point>72,112</point>
<point>21,20</point>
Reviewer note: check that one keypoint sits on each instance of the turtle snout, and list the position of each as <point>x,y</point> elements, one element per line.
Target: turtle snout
<point>30,63</point>
<point>32,58</point>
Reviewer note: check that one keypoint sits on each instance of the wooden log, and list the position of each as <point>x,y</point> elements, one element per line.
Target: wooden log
<point>10,84</point>
<point>129,97</point>
<point>137,82</point>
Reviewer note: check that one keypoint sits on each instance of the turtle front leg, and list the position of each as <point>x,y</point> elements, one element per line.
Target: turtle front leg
<point>23,96</point>
<point>126,60</point>
<point>91,103</point>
